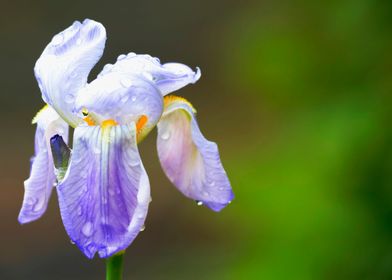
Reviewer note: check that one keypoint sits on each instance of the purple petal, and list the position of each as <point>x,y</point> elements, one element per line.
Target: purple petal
<point>38,187</point>
<point>167,77</point>
<point>190,161</point>
<point>105,194</point>
<point>65,63</point>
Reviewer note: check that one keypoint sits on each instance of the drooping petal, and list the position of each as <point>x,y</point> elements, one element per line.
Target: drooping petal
<point>123,98</point>
<point>167,77</point>
<point>65,63</point>
<point>38,187</point>
<point>105,193</point>
<point>191,162</point>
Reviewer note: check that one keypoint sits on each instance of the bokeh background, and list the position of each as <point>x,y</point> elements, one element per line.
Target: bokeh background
<point>296,93</point>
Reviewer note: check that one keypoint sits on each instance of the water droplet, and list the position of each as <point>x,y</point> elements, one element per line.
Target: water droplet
<point>140,216</point>
<point>131,54</point>
<point>74,74</point>
<point>133,98</point>
<point>165,135</point>
<point>221,188</point>
<point>211,184</point>
<point>78,41</point>
<point>55,184</point>
<point>124,98</point>
<point>31,200</point>
<point>199,203</point>
<point>58,39</point>
<point>87,229</point>
<point>121,57</point>
<point>39,204</point>
<point>72,242</point>
<point>143,228</point>
<point>134,161</point>
<point>150,199</point>
<point>229,202</point>
<point>126,82</point>
<point>206,193</point>
<point>69,98</point>
<point>80,211</point>
<point>97,150</point>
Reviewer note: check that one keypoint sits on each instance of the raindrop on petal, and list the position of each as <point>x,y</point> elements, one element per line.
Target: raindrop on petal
<point>165,135</point>
<point>143,228</point>
<point>126,82</point>
<point>121,57</point>
<point>87,229</point>
<point>199,203</point>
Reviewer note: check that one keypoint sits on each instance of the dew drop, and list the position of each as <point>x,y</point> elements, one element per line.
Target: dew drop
<point>206,194</point>
<point>69,98</point>
<point>111,192</point>
<point>131,54</point>
<point>96,150</point>
<point>80,211</point>
<point>58,39</point>
<point>199,203</point>
<point>126,82</point>
<point>72,242</point>
<point>78,41</point>
<point>150,199</point>
<point>124,98</point>
<point>133,98</point>
<point>143,228</point>
<point>121,57</point>
<point>39,204</point>
<point>87,229</point>
<point>165,135</point>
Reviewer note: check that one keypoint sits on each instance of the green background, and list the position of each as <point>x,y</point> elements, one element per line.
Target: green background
<point>296,93</point>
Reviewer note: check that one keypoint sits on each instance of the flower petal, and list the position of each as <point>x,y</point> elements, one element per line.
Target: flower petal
<point>123,98</point>
<point>190,161</point>
<point>38,187</point>
<point>167,77</point>
<point>65,63</point>
<point>105,193</point>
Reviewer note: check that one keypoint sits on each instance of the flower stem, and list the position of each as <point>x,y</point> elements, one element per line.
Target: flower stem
<point>114,266</point>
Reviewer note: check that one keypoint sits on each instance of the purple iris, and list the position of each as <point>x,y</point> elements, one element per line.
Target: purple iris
<point>104,192</point>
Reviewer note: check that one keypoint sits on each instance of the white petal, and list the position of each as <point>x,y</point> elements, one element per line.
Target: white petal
<point>65,64</point>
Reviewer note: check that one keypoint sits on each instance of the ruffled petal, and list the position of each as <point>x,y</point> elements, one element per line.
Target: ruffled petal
<point>123,98</point>
<point>65,63</point>
<point>167,77</point>
<point>38,187</point>
<point>105,193</point>
<point>190,161</point>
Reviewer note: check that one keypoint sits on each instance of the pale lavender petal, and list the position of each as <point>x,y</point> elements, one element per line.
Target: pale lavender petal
<point>38,187</point>
<point>123,98</point>
<point>105,193</point>
<point>167,77</point>
<point>65,64</point>
<point>190,161</point>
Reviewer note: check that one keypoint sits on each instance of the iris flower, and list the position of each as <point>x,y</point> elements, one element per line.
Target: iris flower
<point>105,192</point>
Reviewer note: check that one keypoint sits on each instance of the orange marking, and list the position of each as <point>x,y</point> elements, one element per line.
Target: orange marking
<point>108,123</point>
<point>141,122</point>
<point>89,120</point>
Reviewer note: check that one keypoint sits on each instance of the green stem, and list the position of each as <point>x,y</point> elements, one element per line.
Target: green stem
<point>114,267</point>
